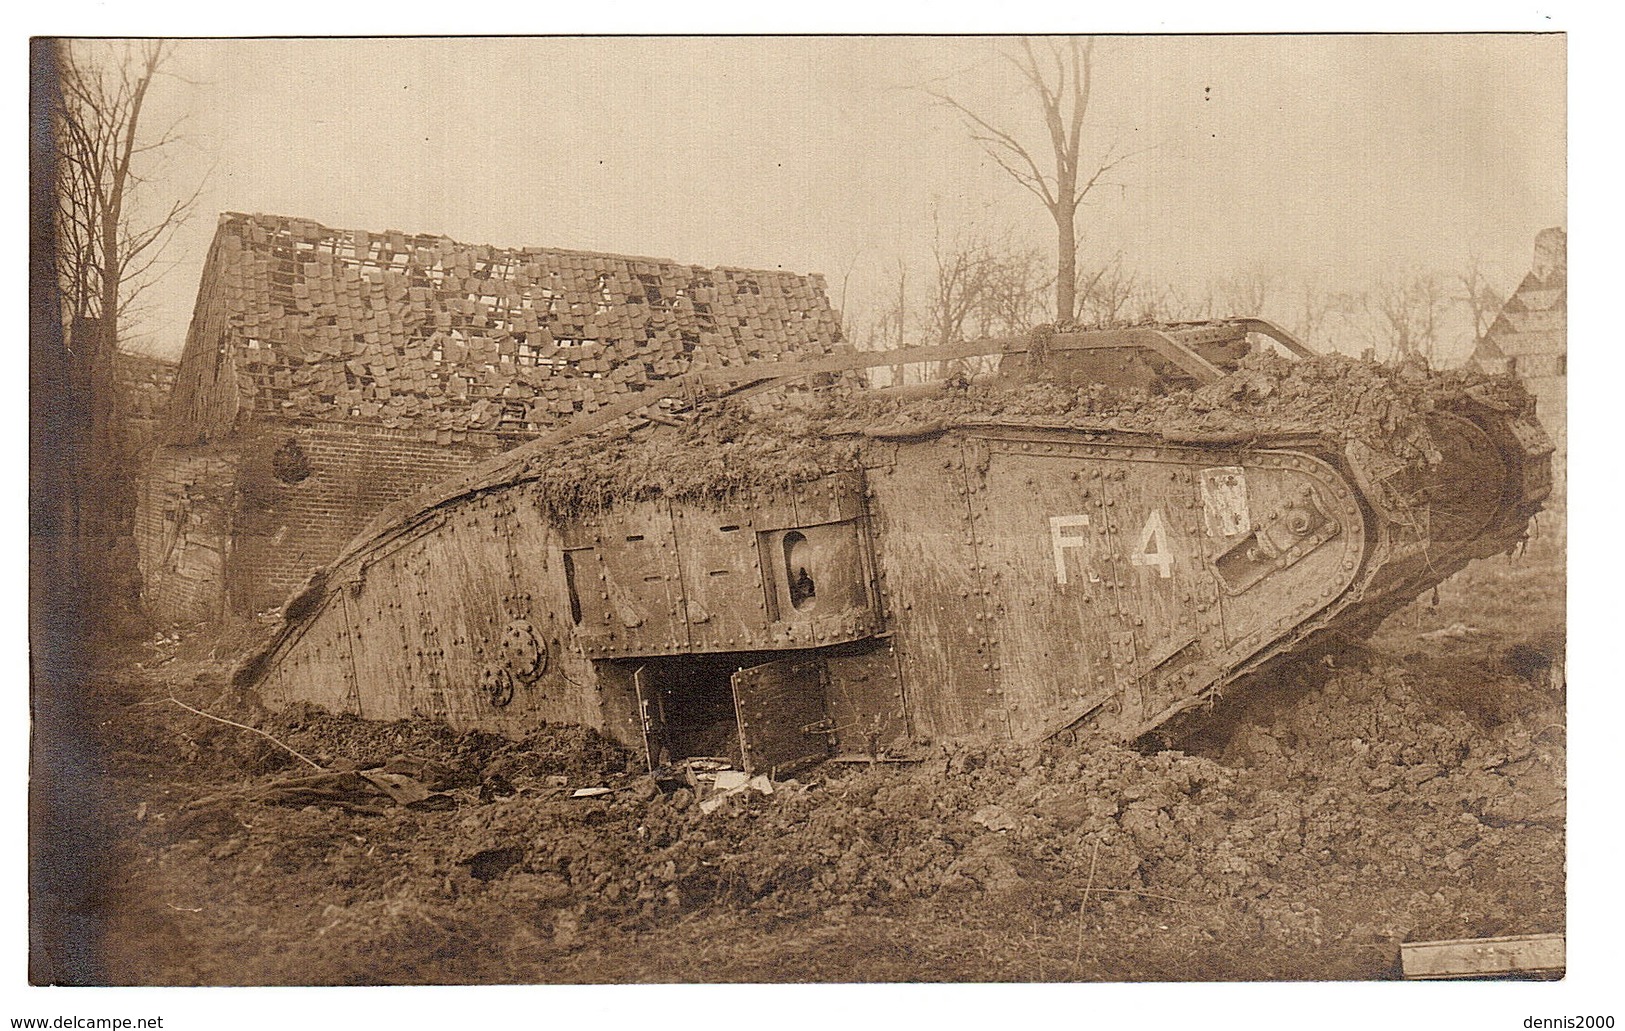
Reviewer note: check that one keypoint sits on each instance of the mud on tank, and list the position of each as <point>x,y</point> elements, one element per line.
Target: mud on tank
<point>1125,523</point>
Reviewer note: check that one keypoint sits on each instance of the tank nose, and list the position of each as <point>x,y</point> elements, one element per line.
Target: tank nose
<point>1464,490</point>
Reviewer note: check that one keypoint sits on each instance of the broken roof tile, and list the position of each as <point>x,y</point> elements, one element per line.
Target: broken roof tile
<point>347,303</point>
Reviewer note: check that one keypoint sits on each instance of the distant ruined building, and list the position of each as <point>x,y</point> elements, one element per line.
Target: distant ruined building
<point>328,373</point>
<point>1529,339</point>
<point>144,385</point>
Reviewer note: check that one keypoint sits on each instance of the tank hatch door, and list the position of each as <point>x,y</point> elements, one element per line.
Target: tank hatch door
<point>652,714</point>
<point>783,722</point>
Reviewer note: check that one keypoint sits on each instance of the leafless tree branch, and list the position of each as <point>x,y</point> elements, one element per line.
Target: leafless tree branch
<point>110,238</point>
<point>1482,301</point>
<point>1060,81</point>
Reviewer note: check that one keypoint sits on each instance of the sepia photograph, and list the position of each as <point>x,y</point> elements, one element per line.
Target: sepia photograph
<point>816,509</point>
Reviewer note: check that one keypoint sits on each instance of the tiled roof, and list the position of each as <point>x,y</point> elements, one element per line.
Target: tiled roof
<point>1534,297</point>
<point>1513,324</point>
<point>1534,320</point>
<point>427,334</point>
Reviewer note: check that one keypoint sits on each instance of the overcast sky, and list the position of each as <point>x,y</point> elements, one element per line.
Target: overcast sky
<point>1340,154</point>
<point>1344,155</point>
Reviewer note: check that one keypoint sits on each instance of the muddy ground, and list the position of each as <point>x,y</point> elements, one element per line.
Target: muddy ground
<point>1409,788</point>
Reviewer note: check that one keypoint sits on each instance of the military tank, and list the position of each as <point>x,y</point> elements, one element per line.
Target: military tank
<point>1098,531</point>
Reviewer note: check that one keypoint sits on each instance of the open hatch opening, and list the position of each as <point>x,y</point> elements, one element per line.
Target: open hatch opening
<point>760,711</point>
<point>688,708</point>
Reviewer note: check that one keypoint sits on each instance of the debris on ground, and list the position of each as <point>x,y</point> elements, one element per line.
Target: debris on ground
<point>1411,790</point>
<point>1455,632</point>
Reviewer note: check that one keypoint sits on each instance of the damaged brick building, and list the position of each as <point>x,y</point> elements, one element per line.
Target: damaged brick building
<point>328,373</point>
<point>144,384</point>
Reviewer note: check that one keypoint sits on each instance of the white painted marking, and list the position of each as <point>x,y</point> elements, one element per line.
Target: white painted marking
<point>1154,534</point>
<point>1060,541</point>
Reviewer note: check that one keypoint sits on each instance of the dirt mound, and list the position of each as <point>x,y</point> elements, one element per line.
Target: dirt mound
<point>732,447</point>
<point>1358,791</point>
<point>1414,789</point>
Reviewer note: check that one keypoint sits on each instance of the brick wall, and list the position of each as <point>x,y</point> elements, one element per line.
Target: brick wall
<point>183,517</point>
<point>303,491</point>
<point>144,385</point>
<point>204,404</point>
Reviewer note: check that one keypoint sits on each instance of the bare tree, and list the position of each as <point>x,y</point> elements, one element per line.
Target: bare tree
<point>106,257</point>
<point>891,324</point>
<point>1106,293</point>
<point>1176,303</point>
<point>1313,304</point>
<point>960,279</point>
<point>1480,299</point>
<point>1398,317</point>
<point>882,329</point>
<point>982,283</point>
<point>1247,291</point>
<point>1014,301</point>
<point>1060,80</point>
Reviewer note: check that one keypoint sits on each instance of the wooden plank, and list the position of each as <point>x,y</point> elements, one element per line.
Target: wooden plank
<point>753,371</point>
<point>1184,357</point>
<point>1279,335</point>
<point>1539,955</point>
<point>1167,343</point>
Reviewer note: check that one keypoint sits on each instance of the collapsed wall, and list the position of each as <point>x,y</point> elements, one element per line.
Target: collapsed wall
<point>183,522</point>
<point>370,365</point>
